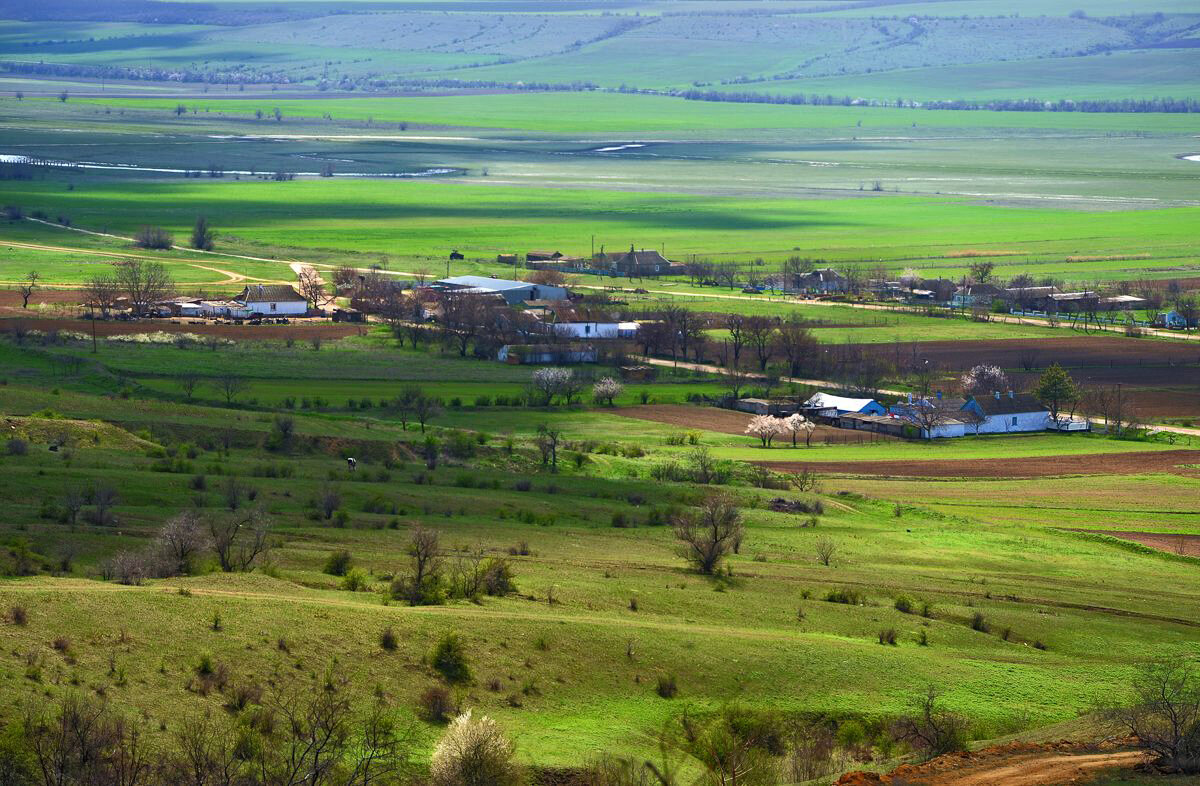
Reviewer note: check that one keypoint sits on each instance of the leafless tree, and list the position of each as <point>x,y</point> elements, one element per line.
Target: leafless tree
<point>425,408</point>
<point>27,286</point>
<point>181,541</point>
<point>422,583</point>
<point>72,503</point>
<point>795,343</point>
<point>102,291</point>
<point>85,743</point>
<point>144,283</point>
<point>312,287</point>
<point>240,539</point>
<point>231,386</point>
<point>826,550</point>
<point>932,729</point>
<point>760,335</point>
<point>104,497</point>
<point>329,500</point>
<point>735,324</point>
<point>463,315</point>
<point>547,441</point>
<point>709,533</point>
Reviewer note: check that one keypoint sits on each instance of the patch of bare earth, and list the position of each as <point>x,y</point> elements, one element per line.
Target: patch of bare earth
<point>299,331</point>
<point>1135,463</point>
<point>1015,764</point>
<point>1185,545</point>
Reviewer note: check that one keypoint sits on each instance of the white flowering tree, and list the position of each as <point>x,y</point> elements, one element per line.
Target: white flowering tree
<point>984,379</point>
<point>606,389</point>
<point>766,428</point>
<point>550,382</point>
<point>796,425</point>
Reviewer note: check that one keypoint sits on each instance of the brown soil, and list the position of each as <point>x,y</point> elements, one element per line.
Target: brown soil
<point>1015,764</point>
<point>11,299</point>
<point>1187,545</point>
<point>728,421</point>
<point>300,331</point>
<point>1075,352</point>
<point>1136,463</point>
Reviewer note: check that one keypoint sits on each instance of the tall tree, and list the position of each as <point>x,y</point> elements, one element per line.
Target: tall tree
<point>1056,390</point>
<point>27,286</point>
<point>145,283</point>
<point>312,287</point>
<point>102,292</point>
<point>202,235</point>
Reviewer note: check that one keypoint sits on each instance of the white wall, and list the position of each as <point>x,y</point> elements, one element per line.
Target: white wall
<point>285,308</point>
<point>587,329</point>
<point>1026,421</point>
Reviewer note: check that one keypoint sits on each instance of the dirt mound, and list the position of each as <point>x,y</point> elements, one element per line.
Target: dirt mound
<point>59,432</point>
<point>1135,463</point>
<point>1013,764</point>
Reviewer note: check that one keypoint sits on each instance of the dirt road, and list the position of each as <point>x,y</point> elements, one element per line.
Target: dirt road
<point>1016,764</point>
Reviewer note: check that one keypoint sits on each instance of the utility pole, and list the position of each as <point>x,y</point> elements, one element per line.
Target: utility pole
<point>92,312</point>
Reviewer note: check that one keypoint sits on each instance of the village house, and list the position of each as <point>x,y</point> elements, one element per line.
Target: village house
<point>1005,413</point>
<point>636,263</point>
<point>259,300</point>
<point>975,295</point>
<point>822,281</point>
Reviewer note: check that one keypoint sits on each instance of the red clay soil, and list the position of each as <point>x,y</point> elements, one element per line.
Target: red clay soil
<point>248,332</point>
<point>11,298</point>
<point>1136,463</point>
<point>1186,545</point>
<point>1015,764</point>
<point>728,421</point>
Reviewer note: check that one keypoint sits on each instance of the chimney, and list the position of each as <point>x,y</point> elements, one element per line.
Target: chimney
<point>997,395</point>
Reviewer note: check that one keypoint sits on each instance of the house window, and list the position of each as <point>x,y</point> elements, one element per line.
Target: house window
<point>1014,420</point>
<point>272,306</point>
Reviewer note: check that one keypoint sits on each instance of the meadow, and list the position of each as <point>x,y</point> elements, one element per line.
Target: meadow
<point>594,542</point>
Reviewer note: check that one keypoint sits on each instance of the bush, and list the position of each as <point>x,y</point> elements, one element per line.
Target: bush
<point>356,580</point>
<point>449,659</point>
<point>16,447</point>
<point>339,563</point>
<point>980,623</point>
<point>932,730</point>
<point>474,751</point>
<point>436,704</point>
<point>666,686</point>
<point>905,604</point>
<point>388,639</point>
<point>17,615</point>
<point>154,237</point>
<point>498,578</point>
<point>888,637</point>
<point>846,595</point>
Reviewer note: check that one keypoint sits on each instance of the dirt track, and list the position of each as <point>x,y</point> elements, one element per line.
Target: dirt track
<point>728,421</point>
<point>1136,463</point>
<point>1018,764</point>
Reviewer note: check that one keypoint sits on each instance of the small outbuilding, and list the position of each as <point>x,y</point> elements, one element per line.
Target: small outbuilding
<point>830,406</point>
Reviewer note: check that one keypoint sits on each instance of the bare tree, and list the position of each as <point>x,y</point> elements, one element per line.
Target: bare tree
<point>240,539</point>
<point>27,286</point>
<point>422,584</point>
<point>932,730</point>
<point>72,503</point>
<point>826,550</point>
<point>425,408</point>
<point>102,292</point>
<point>547,440</point>
<point>144,283</point>
<point>735,324</point>
<point>181,541</point>
<point>188,383</point>
<point>760,335</point>
<point>202,235</point>
<point>1164,715</point>
<point>231,386</point>
<point>795,343</point>
<point>312,287</point>
<point>709,533</point>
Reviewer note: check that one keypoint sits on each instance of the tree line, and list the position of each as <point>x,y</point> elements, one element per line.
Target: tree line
<point>1116,105</point>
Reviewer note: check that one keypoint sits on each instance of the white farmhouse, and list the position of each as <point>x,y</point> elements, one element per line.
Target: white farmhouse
<point>1005,413</point>
<point>268,300</point>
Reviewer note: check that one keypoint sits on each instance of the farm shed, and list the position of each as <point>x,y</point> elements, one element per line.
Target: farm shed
<point>646,262</point>
<point>506,259</point>
<point>762,406</point>
<point>827,405</point>
<point>513,292</point>
<point>975,295</point>
<point>823,280</point>
<point>542,354</point>
<point>543,256</point>
<point>268,300</point>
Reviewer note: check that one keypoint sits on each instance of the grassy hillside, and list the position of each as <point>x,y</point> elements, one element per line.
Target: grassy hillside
<point>577,675</point>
